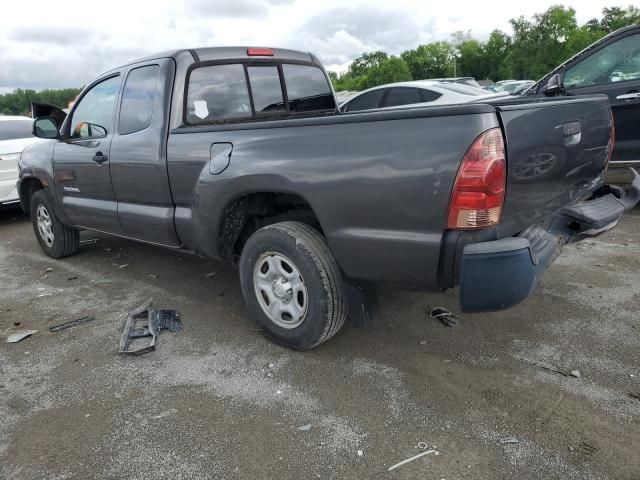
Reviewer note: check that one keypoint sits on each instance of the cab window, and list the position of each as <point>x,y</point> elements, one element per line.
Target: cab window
<point>217,92</point>
<point>138,97</point>
<point>617,62</point>
<point>93,115</point>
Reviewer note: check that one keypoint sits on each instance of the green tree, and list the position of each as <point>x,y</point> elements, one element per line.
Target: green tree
<point>433,60</point>
<point>496,52</point>
<point>366,61</point>
<point>615,17</point>
<point>393,69</point>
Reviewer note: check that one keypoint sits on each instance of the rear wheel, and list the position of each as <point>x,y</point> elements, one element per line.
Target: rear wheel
<point>56,239</point>
<point>292,285</point>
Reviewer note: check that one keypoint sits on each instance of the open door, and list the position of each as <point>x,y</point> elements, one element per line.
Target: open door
<point>39,110</point>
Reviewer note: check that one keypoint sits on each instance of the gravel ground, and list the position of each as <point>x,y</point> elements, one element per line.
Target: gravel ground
<point>218,400</point>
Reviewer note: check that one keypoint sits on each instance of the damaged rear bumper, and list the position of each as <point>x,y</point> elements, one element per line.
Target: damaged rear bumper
<point>499,274</point>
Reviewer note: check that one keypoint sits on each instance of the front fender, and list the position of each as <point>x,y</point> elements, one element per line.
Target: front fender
<point>36,164</point>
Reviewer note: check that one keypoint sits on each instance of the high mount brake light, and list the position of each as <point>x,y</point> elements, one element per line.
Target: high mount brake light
<point>478,192</point>
<point>259,52</point>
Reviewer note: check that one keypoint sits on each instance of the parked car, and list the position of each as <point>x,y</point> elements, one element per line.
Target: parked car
<point>462,80</point>
<point>610,66</point>
<point>241,154</point>
<point>495,87</point>
<point>15,136</point>
<point>408,94</point>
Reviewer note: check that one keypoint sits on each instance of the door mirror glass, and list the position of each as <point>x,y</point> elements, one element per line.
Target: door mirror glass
<point>45,127</point>
<point>554,86</point>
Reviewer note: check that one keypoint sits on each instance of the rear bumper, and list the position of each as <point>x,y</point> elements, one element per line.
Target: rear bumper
<point>499,274</point>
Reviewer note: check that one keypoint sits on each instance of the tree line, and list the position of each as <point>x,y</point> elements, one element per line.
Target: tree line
<point>536,46</point>
<point>19,101</point>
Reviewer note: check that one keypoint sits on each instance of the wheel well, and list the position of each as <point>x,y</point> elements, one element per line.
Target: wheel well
<point>250,212</point>
<point>27,188</point>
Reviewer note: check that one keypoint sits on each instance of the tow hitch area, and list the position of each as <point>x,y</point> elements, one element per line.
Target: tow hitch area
<point>145,323</point>
<point>499,274</point>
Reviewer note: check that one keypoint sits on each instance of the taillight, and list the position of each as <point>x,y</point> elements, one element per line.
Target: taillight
<point>259,52</point>
<point>611,144</point>
<point>478,193</point>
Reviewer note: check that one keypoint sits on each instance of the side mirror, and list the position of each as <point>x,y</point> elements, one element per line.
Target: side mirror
<point>45,127</point>
<point>553,86</point>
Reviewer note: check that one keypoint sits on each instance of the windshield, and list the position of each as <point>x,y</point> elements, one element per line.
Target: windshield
<point>463,89</point>
<point>13,129</point>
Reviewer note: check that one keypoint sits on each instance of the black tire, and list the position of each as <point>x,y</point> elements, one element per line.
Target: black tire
<point>306,248</point>
<point>65,241</point>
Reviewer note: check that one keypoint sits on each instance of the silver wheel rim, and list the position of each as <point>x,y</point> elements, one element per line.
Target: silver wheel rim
<point>45,226</point>
<point>280,290</point>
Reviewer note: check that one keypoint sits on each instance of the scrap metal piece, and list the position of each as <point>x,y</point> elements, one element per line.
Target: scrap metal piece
<point>71,323</point>
<point>399,464</point>
<point>143,322</point>
<point>20,335</point>
<point>444,315</point>
<point>508,440</point>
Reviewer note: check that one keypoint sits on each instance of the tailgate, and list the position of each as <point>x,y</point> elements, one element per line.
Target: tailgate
<point>556,153</point>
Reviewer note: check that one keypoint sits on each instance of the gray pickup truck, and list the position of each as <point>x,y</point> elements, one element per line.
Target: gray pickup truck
<point>241,154</point>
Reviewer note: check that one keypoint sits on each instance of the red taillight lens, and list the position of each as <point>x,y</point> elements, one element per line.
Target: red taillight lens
<point>478,193</point>
<point>259,52</point>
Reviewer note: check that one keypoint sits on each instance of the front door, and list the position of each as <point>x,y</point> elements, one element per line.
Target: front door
<point>81,159</point>
<point>614,70</point>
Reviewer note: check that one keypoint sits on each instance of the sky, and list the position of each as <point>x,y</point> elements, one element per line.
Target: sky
<point>58,44</point>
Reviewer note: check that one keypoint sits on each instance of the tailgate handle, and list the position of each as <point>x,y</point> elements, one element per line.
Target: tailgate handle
<point>629,96</point>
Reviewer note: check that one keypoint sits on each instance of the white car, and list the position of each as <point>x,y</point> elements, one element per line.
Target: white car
<point>416,93</point>
<point>15,136</point>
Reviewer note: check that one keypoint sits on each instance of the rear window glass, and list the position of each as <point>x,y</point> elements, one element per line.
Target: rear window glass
<point>402,96</point>
<point>217,93</point>
<point>137,99</point>
<point>307,88</point>
<point>12,129</point>
<point>266,89</point>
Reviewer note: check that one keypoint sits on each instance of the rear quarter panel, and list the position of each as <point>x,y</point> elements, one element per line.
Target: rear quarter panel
<point>379,183</point>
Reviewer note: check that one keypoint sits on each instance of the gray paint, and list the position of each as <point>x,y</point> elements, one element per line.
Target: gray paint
<point>379,182</point>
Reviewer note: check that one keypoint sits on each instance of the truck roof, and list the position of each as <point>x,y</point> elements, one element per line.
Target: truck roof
<point>208,54</point>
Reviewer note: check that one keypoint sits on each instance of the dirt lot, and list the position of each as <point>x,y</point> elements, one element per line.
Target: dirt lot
<point>217,400</point>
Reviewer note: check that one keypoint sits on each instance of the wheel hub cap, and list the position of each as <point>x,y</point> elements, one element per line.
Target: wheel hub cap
<point>280,290</point>
<point>45,225</point>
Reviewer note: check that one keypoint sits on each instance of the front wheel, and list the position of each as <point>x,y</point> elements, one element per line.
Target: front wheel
<point>292,285</point>
<point>55,238</point>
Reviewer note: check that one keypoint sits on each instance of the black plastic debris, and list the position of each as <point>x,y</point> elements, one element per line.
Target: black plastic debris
<point>444,315</point>
<point>71,323</point>
<point>142,323</point>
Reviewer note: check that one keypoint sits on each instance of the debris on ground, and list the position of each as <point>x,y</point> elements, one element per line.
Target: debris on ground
<point>422,446</point>
<point>20,335</point>
<point>444,315</point>
<point>70,323</point>
<point>48,270</point>
<point>634,395</point>
<point>124,266</point>
<point>45,295</point>
<point>360,453</point>
<point>209,275</point>
<point>508,440</point>
<point>575,373</point>
<point>305,428</point>
<point>72,278</point>
<point>143,322</point>
<point>553,369</point>
<point>91,241</point>
<point>423,342</point>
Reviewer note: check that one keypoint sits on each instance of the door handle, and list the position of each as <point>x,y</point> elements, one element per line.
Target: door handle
<point>629,96</point>
<point>99,158</point>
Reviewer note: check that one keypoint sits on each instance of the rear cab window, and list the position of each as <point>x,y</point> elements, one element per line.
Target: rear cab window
<point>138,98</point>
<point>230,92</point>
